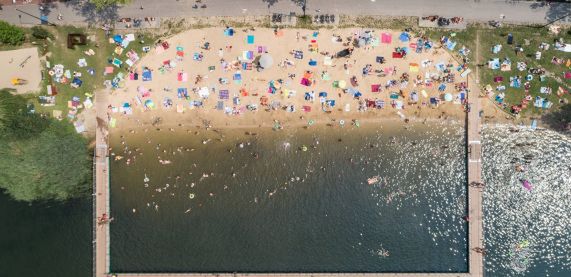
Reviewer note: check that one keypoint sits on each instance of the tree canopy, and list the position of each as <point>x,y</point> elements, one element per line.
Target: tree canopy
<point>102,4</point>
<point>50,162</point>
<point>10,34</point>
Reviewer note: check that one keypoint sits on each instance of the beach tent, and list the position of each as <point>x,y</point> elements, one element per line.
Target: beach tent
<point>404,37</point>
<point>229,32</point>
<point>266,61</point>
<point>118,39</point>
<point>447,97</point>
<point>149,104</point>
<point>250,39</point>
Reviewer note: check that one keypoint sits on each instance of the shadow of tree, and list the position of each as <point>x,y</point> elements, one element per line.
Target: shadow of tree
<point>560,119</point>
<point>558,10</point>
<point>46,7</point>
<point>91,14</point>
<point>270,3</point>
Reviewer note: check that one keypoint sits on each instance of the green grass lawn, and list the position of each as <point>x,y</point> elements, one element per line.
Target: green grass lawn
<point>491,37</point>
<point>58,53</point>
<point>535,36</point>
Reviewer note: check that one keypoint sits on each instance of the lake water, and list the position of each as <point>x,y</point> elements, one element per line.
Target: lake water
<point>332,220</point>
<point>290,210</point>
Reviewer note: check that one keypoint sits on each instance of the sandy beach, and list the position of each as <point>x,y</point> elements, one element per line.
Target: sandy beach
<point>176,88</point>
<point>21,64</point>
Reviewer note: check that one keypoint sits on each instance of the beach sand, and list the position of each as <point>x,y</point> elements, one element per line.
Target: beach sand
<point>256,83</point>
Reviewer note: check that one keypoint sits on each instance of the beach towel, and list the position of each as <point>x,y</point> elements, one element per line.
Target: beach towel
<point>375,88</point>
<point>498,79</point>
<point>450,45</point>
<point>306,108</point>
<point>250,39</point>
<point>262,49</point>
<point>305,82</point>
<point>224,95</point>
<point>147,75</point>
<point>398,55</point>
<point>413,67</point>
<point>248,55</point>
<point>327,61</point>
<point>298,55</point>
<point>247,66</point>
<point>108,70</point>
<point>386,38</point>
<point>182,77</point>
<point>182,93</point>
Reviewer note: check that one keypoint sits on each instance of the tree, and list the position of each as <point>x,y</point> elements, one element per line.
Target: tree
<point>102,4</point>
<point>10,34</point>
<point>50,163</point>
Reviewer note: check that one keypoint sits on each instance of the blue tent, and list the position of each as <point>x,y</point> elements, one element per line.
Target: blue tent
<point>330,103</point>
<point>76,81</point>
<point>404,37</point>
<point>323,94</point>
<point>118,39</point>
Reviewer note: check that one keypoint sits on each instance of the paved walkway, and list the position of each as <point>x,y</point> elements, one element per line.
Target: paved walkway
<point>101,188</point>
<point>76,11</point>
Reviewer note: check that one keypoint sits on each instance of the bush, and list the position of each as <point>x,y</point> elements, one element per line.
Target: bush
<point>10,34</point>
<point>40,33</point>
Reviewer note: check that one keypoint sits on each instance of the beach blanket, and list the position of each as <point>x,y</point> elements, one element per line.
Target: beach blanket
<point>182,93</point>
<point>398,55</point>
<point>450,45</point>
<point>224,95</point>
<point>494,63</point>
<point>182,77</point>
<point>147,75</point>
<point>298,54</point>
<point>305,82</point>
<point>248,55</point>
<point>413,67</point>
<point>327,61</point>
<point>247,66</point>
<point>386,38</point>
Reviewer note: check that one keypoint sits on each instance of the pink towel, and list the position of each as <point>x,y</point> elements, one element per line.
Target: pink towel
<point>386,38</point>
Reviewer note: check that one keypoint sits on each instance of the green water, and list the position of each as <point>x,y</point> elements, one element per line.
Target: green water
<point>48,239</point>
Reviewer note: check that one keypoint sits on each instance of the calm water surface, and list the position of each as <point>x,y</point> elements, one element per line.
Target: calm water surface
<point>291,210</point>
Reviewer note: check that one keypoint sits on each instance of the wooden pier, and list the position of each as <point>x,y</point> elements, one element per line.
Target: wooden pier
<point>101,192</point>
